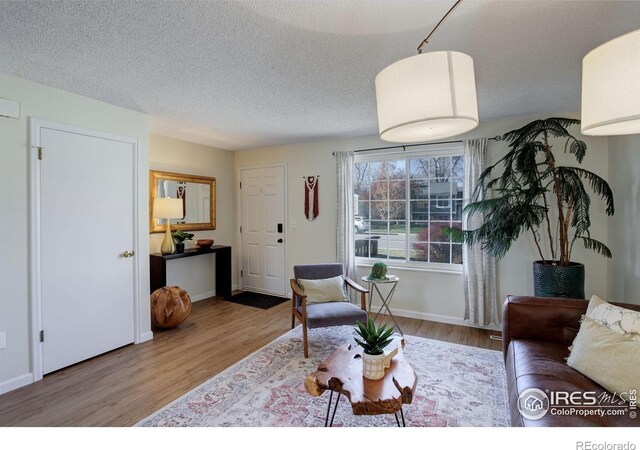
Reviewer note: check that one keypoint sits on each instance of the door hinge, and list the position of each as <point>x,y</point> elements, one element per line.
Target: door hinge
<point>241,274</point>
<point>41,335</point>
<point>241,185</point>
<point>240,228</point>
<point>40,153</point>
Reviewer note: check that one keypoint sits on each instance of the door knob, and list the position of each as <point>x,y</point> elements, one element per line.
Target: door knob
<point>128,254</point>
<point>280,241</point>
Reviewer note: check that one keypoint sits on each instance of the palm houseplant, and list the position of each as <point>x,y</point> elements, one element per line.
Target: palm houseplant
<point>374,340</point>
<point>535,195</point>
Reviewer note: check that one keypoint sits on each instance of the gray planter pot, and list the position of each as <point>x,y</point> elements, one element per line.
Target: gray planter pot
<point>552,280</point>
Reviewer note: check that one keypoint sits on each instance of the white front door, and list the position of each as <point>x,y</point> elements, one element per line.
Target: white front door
<point>262,232</point>
<point>86,224</point>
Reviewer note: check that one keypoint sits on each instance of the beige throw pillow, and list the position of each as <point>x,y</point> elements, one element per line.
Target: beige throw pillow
<point>610,359</point>
<point>620,320</point>
<point>324,290</point>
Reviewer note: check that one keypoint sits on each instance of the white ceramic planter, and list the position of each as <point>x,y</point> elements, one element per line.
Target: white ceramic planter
<point>373,366</point>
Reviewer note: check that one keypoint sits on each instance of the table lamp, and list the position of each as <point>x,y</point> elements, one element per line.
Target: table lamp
<point>168,208</point>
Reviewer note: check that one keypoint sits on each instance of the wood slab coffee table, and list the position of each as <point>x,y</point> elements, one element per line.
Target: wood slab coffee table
<point>342,373</point>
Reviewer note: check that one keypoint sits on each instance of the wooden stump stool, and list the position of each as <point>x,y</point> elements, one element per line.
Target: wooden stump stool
<point>170,306</point>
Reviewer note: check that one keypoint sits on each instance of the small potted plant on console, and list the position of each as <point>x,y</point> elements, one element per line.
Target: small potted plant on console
<point>179,237</point>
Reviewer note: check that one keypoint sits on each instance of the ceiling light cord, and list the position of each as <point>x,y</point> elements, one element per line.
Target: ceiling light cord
<point>426,40</point>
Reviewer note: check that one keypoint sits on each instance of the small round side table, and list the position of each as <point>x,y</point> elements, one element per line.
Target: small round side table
<point>386,301</point>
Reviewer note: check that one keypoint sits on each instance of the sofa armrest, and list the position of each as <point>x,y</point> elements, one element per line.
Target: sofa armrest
<point>554,320</point>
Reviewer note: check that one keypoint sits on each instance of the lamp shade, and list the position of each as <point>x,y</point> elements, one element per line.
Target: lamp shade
<point>611,87</point>
<point>425,97</point>
<point>167,208</point>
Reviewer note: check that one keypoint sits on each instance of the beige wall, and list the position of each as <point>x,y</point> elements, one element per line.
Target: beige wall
<point>196,275</point>
<point>624,227</point>
<point>421,294</point>
<point>51,104</point>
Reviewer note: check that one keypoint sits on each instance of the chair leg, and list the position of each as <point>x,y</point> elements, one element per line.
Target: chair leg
<point>293,311</point>
<point>304,339</point>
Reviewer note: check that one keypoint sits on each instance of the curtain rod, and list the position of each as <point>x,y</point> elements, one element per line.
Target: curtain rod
<point>404,147</point>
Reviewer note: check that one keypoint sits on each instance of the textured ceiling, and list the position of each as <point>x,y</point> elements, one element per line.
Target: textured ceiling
<point>239,74</point>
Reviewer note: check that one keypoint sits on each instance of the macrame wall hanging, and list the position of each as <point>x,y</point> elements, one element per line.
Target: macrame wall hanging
<point>311,197</point>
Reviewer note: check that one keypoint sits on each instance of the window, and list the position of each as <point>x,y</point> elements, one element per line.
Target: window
<point>403,204</point>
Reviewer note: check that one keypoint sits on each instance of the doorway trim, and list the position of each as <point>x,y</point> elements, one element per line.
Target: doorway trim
<point>239,171</point>
<point>35,125</point>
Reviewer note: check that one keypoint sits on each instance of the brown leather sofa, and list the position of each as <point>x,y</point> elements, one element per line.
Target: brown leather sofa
<point>536,335</point>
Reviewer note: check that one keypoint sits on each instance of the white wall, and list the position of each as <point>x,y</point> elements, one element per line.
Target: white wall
<point>56,105</point>
<point>197,275</point>
<point>624,241</point>
<point>421,294</point>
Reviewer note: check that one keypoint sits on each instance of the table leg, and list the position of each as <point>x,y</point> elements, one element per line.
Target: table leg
<point>397,420</point>
<point>326,420</point>
<point>385,304</point>
<point>375,287</point>
<point>335,409</point>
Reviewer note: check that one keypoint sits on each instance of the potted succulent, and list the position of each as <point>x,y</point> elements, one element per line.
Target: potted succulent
<point>378,271</point>
<point>535,195</point>
<point>374,359</point>
<point>179,237</point>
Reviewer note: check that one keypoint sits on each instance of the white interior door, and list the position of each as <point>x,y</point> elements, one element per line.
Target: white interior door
<point>263,221</point>
<point>86,224</point>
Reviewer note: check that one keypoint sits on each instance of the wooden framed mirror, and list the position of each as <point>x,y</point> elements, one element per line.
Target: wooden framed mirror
<point>198,193</point>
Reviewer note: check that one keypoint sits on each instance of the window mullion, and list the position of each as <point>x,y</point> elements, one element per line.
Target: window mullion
<point>450,203</point>
<point>407,207</point>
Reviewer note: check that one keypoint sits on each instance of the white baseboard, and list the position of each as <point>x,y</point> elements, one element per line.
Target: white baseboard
<point>144,337</point>
<point>209,294</point>
<point>204,295</point>
<point>435,318</point>
<point>15,383</point>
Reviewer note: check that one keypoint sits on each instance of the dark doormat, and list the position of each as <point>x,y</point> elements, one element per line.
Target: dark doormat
<point>262,301</point>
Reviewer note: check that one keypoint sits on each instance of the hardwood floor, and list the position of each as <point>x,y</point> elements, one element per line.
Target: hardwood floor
<point>124,386</point>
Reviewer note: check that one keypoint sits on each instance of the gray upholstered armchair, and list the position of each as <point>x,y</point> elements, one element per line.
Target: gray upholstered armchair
<point>323,314</point>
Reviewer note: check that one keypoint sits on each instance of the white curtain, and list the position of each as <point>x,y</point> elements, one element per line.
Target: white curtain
<point>344,237</point>
<point>479,268</point>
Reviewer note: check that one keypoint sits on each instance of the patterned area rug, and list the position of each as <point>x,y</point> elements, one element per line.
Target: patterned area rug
<point>256,300</point>
<point>457,386</point>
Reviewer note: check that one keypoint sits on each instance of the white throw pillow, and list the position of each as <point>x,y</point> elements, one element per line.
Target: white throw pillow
<point>620,320</point>
<point>610,359</point>
<point>324,290</point>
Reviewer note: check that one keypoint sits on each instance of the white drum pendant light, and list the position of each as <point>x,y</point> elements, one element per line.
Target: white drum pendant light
<point>428,96</point>
<point>611,87</point>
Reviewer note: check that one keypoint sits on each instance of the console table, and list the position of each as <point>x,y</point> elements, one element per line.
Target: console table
<point>158,267</point>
